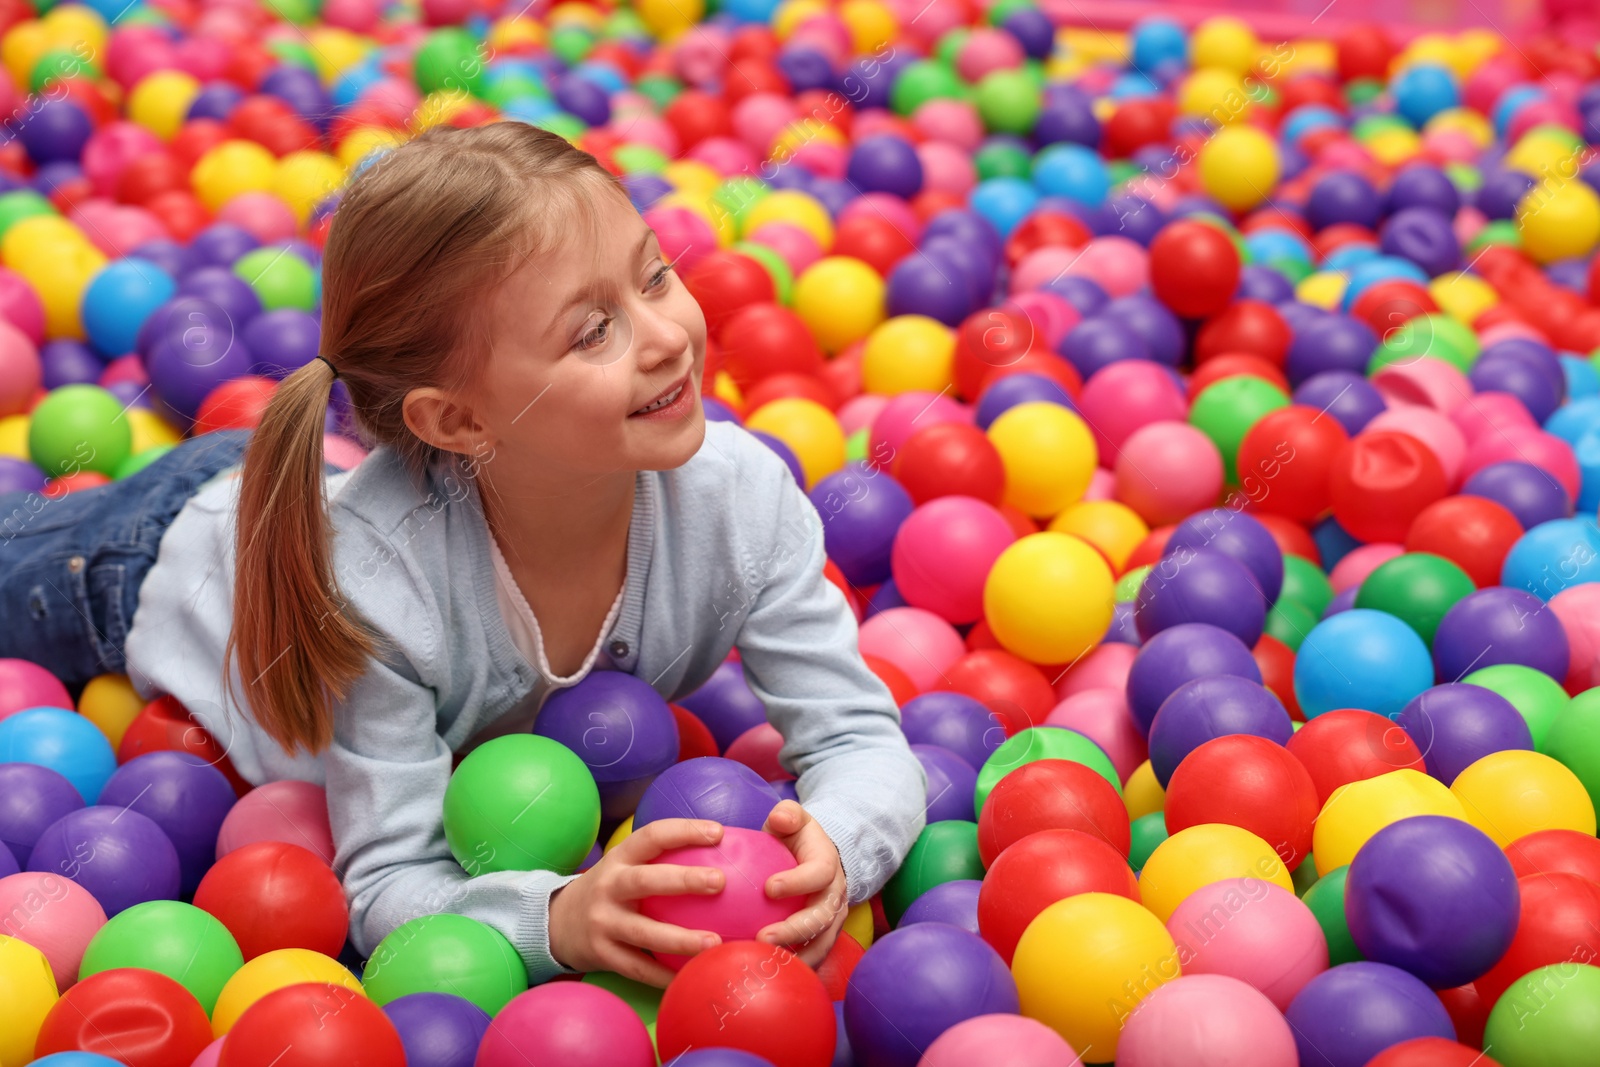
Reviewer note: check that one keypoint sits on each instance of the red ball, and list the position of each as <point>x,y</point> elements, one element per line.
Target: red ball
<point>1552,851</point>
<point>1310,89</point>
<point>1039,870</point>
<point>68,484</point>
<point>1194,268</point>
<point>748,77</point>
<point>950,459</point>
<point>1349,745</point>
<point>1135,124</point>
<point>780,386</point>
<point>1473,532</point>
<point>1250,782</point>
<point>1364,51</point>
<point>1341,234</point>
<point>725,282</point>
<point>1431,1052</point>
<point>1292,538</point>
<point>272,124</point>
<point>1286,462</point>
<point>1246,327</point>
<point>696,116</point>
<point>1387,306</point>
<point>149,176</point>
<point>1150,550</point>
<point>1051,794</point>
<point>180,212</point>
<point>901,687</point>
<point>137,1017</point>
<point>325,1026</point>
<point>164,725</point>
<point>1008,685</point>
<point>843,371</point>
<point>874,240</point>
<point>1045,229</point>
<point>1381,481</point>
<point>988,340</point>
<point>1234,365</point>
<point>839,964</point>
<point>1559,921</point>
<point>1467,1011</point>
<point>1040,360</point>
<point>694,737</point>
<point>931,202</point>
<point>764,339</point>
<point>272,895</point>
<point>237,404</point>
<point>753,997</point>
<point>1276,661</point>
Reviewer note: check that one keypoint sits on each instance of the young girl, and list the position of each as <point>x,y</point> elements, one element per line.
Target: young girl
<point>545,499</point>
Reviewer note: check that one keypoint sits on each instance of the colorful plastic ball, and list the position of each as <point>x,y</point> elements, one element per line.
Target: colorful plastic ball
<point>1554,556</point>
<point>1246,781</point>
<point>1511,794</point>
<point>742,908</point>
<point>809,429</point>
<point>861,512</point>
<point>32,797</point>
<point>1179,655</point>
<point>1500,625</point>
<point>61,930</point>
<point>1051,794</point>
<point>285,810</point>
<point>1529,493</point>
<point>1432,1052</point>
<point>841,300</point>
<point>272,895</point>
<point>323,1023</point>
<point>1167,470</point>
<point>1381,481</point>
<point>1088,961</point>
<point>1473,532</point>
<point>944,551</point>
<point>1194,268</point>
<point>1359,810</point>
<point>1546,1017</point>
<point>1102,715</point>
<point>185,796</point>
<point>30,994</point>
<point>709,787</point>
<point>487,807</point>
<point>1456,724</point>
<point>1200,586</point>
<point>918,642</point>
<point>1559,221</point>
<point>137,1015</point>
<point>945,851</point>
<point>118,301</point>
<point>1252,931</point>
<point>1041,743</point>
<point>950,459</point>
<point>1361,659</point>
<point>786,1018</point>
<point>1239,167</point>
<point>1285,460</point>
<point>1347,1015</point>
<point>1350,745</point>
<point>1225,410</point>
<point>1201,855</point>
<point>1536,696</point>
<point>445,954</point>
<point>1206,1020</point>
<point>176,939</point>
<point>953,721</point>
<point>1041,569</point>
<point>438,1029</point>
<point>954,902</point>
<point>622,730</point>
<point>77,428</point>
<point>1557,913</point>
<point>1040,869</point>
<point>1027,1043</point>
<point>129,859</point>
<point>1211,707</point>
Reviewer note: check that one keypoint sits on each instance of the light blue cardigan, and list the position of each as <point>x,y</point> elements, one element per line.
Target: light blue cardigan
<point>723,552</point>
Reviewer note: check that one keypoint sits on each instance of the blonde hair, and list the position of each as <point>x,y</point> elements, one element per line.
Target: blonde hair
<point>417,246</point>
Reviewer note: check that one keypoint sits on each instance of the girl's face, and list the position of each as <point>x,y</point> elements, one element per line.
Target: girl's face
<point>585,339</point>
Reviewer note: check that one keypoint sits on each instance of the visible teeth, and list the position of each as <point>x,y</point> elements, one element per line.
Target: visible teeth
<point>663,402</point>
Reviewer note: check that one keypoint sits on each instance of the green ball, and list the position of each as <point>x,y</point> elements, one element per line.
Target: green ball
<point>1574,740</point>
<point>639,158</point>
<point>1126,590</point>
<point>1037,743</point>
<point>1305,875</point>
<point>1001,160</point>
<point>1363,91</point>
<point>78,428</point>
<point>1004,9</point>
<point>449,59</point>
<point>1009,101</point>
<point>521,803</point>
<point>1148,831</point>
<point>944,852</point>
<point>188,945</point>
<point>1306,584</point>
<point>281,279</point>
<point>738,195</point>
<point>1409,340</point>
<point>571,44</point>
<point>1326,901</point>
<point>924,80</point>
<point>949,46</point>
<point>1290,622</point>
<point>659,89</point>
<point>624,22</point>
<point>1458,335</point>
<point>138,461</point>
<point>855,446</point>
<point>299,12</point>
<point>1417,588</point>
<point>1538,696</point>
<point>563,125</point>
<point>1296,270</point>
<point>776,265</point>
<point>1499,232</point>
<point>22,204</point>
<point>1548,1018</point>
<point>513,86</point>
<point>1123,170</point>
<point>293,53</point>
<point>60,64</point>
<point>1467,178</point>
<point>1224,411</point>
<point>645,1000</point>
<point>446,953</point>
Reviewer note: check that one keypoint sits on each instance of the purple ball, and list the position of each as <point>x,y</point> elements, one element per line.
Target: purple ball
<point>1124,630</point>
<point>169,255</point>
<point>1520,378</point>
<point>438,1029</point>
<point>1540,357</point>
<point>870,79</point>
<point>644,188</point>
<point>884,597</point>
<point>231,294</point>
<point>955,722</point>
<point>182,376</point>
<point>1099,342</point>
<point>32,797</point>
<point>1341,602</point>
<point>1067,115</point>
<point>19,476</point>
<point>1200,585</point>
<point>784,452</point>
<point>834,194</point>
<point>971,265</point>
<point>1570,274</point>
<point>185,796</point>
<point>66,362</point>
<point>1264,284</point>
<point>1235,534</point>
<point>221,243</point>
<point>120,856</point>
<point>885,164</point>
<point>862,509</point>
<point>970,230</point>
<point>1330,343</point>
<point>282,341</point>
<point>915,983</point>
<point>715,1057</point>
<point>1433,896</point>
<point>1003,394</point>
<point>1139,220</point>
<point>584,98</point>
<point>717,411</point>
<point>8,864</point>
<point>215,101</point>
<point>806,68</point>
<point>921,285</point>
<point>726,704</point>
<point>1345,395</point>
<point>1455,725</point>
<point>1033,30</point>
<point>54,131</point>
<point>1150,319</point>
<point>1529,493</point>
<point>1212,707</point>
<point>1423,185</point>
<point>620,727</point>
<point>1423,236</point>
<point>951,784</point>
<point>954,902</point>
<point>708,787</point>
<point>301,89</point>
<point>1499,625</point>
<point>1500,193</point>
<point>1348,1014</point>
<point>50,177</point>
<point>1343,196</point>
<point>1179,655</point>
<point>1082,293</point>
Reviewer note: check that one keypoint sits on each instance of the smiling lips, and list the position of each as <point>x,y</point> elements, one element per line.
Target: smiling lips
<point>664,399</point>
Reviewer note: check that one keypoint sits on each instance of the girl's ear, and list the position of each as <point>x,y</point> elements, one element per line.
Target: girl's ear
<point>444,421</point>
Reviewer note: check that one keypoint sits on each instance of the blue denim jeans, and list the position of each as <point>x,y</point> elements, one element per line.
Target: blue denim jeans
<point>71,567</point>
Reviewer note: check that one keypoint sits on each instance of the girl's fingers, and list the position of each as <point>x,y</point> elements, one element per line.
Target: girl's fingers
<point>631,963</point>
<point>802,926</point>
<point>636,930</point>
<point>667,880</point>
<point>646,844</point>
<point>809,877</point>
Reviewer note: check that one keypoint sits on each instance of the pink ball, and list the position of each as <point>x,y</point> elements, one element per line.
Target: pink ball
<point>110,149</point>
<point>725,155</point>
<point>55,915</point>
<point>446,12</point>
<point>206,58</point>
<point>341,451</point>
<point>1449,146</point>
<point>1102,485</point>
<point>987,50</point>
<point>1050,314</point>
<point>394,94</point>
<point>116,230</point>
<point>1126,396</point>
<point>20,305</point>
<point>742,909</point>
<point>822,158</point>
<point>21,373</point>
<point>1106,667</point>
<point>943,553</point>
<point>1511,331</point>
<point>858,412</point>
<point>907,413</point>
<point>917,641</point>
<point>261,215</point>
<point>686,237</point>
<point>135,51</point>
<point>1103,717</point>
<point>129,368</point>
<point>1042,265</point>
<point>758,748</point>
<point>885,206</point>
<point>701,55</point>
<point>1526,445</point>
<point>1353,569</point>
<point>1251,930</point>
<point>650,130</point>
<point>1206,1020</point>
<point>1488,413</point>
<point>1491,79</point>
<point>955,123</point>
<point>1542,113</point>
<point>946,168</point>
<point>1426,382</point>
<point>1166,471</point>
<point>1434,429</point>
<point>574,1024</point>
<point>358,16</point>
<point>211,1055</point>
<point>760,117</point>
<point>1578,608</point>
<point>24,684</point>
<point>797,247</point>
<point>289,810</point>
<point>1017,1041</point>
<point>1120,265</point>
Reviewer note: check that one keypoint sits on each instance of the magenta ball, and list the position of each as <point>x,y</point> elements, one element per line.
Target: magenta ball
<point>905,415</point>
<point>1166,471</point>
<point>26,685</point>
<point>1253,931</point>
<point>1026,1043</point>
<point>1206,1020</point>
<point>1103,717</point>
<point>919,642</point>
<point>1128,395</point>
<point>574,1024</point>
<point>943,553</point>
<point>742,909</point>
<point>292,811</point>
<point>55,915</point>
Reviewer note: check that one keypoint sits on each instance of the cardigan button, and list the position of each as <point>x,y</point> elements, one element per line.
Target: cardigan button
<point>619,649</point>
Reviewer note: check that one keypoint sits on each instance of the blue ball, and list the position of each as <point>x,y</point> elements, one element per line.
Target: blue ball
<point>77,1059</point>
<point>62,740</point>
<point>1004,202</point>
<point>1424,91</point>
<point>119,301</point>
<point>1156,40</point>
<point>1583,378</point>
<point>1574,420</point>
<point>1361,659</point>
<point>1553,556</point>
<point>1073,171</point>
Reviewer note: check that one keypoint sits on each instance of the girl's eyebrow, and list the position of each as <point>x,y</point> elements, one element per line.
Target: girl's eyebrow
<point>589,290</point>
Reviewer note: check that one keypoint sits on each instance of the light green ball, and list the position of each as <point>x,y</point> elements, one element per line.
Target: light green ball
<point>1535,694</point>
<point>170,937</point>
<point>281,279</point>
<point>446,953</point>
<point>1009,101</point>
<point>78,428</point>
<point>1037,743</point>
<point>521,803</point>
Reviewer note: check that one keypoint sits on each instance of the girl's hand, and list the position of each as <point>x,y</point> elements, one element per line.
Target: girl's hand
<point>812,930</point>
<point>595,924</point>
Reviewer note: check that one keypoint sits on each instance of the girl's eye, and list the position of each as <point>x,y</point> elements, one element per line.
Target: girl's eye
<point>659,277</point>
<point>595,336</point>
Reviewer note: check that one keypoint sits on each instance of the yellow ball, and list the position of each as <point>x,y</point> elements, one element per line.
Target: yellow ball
<point>39,239</point>
<point>1049,456</point>
<point>801,132</point>
<point>1225,43</point>
<point>231,168</point>
<point>858,924</point>
<point>577,14</point>
<point>14,437</point>
<point>270,972</point>
<point>149,429</point>
<point>1201,855</point>
<point>304,179</point>
<point>21,48</point>
<point>60,284</point>
<point>716,216</point>
<point>795,208</point>
<point>111,702</point>
<point>160,102</point>
<point>1463,295</point>
<point>872,25</point>
<point>1112,527</point>
<point>75,27</point>
<point>810,431</point>
<point>1559,221</point>
<point>513,33</point>
<point>908,352</point>
<point>840,299</point>
<point>725,389</point>
<point>792,13</point>
<point>1394,147</point>
<point>1143,794</point>
<point>28,991</point>
<point>1357,811</point>
<point>1514,793</point>
<point>1085,963</point>
<point>1028,586</point>
<point>620,834</point>
<point>439,107</point>
<point>1462,120</point>
<point>1239,166</point>
<point>1545,153</point>
<point>668,19</point>
<point>361,142</point>
<point>1474,46</point>
<point>1214,94</point>
<point>692,176</point>
<point>335,51</point>
<point>1325,289</point>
